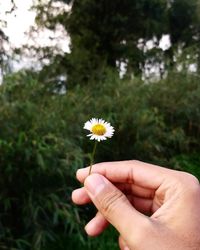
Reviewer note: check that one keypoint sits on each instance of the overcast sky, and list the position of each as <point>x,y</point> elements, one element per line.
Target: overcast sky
<point>19,22</point>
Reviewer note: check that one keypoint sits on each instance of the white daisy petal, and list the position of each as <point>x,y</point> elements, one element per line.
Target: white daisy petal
<point>87,125</point>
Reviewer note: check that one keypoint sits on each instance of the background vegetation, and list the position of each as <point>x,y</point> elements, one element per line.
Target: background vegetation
<point>42,142</point>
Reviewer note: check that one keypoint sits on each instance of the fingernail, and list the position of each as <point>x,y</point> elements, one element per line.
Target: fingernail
<point>126,248</point>
<point>94,184</point>
<point>79,171</point>
<point>89,228</point>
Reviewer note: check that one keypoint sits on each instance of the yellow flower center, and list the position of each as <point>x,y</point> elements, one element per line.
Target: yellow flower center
<point>98,129</point>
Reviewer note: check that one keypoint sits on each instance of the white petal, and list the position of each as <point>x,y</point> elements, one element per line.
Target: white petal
<point>87,125</point>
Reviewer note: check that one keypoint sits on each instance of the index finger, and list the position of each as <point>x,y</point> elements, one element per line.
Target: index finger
<point>136,172</point>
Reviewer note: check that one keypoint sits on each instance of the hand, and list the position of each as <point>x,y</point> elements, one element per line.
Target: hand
<point>153,208</point>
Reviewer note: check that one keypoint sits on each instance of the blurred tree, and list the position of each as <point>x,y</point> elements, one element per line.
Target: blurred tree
<point>111,30</point>
<point>3,55</point>
<point>104,32</point>
<point>184,28</point>
<point>4,39</point>
<point>1,47</point>
<point>109,33</point>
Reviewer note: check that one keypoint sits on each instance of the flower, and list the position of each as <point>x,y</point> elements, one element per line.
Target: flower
<point>100,129</point>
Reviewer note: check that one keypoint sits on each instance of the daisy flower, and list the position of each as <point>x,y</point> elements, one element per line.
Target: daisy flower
<point>99,129</point>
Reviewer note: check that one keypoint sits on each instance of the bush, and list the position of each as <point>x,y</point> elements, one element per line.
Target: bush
<point>42,143</point>
<point>37,163</point>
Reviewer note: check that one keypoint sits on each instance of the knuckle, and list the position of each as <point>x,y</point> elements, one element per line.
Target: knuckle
<point>190,180</point>
<point>194,190</point>
<point>193,180</point>
<point>190,184</point>
<point>135,162</point>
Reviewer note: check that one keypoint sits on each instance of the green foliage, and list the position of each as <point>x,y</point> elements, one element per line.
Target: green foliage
<point>42,143</point>
<point>188,163</point>
<point>184,23</point>
<point>36,164</point>
<point>108,240</point>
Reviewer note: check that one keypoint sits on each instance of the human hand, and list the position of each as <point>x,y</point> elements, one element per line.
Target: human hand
<point>153,208</point>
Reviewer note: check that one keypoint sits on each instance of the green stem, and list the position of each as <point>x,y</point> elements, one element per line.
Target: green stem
<point>92,156</point>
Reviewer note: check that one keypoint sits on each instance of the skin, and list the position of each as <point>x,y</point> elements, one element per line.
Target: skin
<point>153,208</point>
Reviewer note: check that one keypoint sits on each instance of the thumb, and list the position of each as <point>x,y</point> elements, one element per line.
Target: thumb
<point>116,208</point>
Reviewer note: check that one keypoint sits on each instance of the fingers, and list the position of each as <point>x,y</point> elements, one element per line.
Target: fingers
<point>80,196</point>
<point>135,190</point>
<point>143,205</point>
<point>114,206</point>
<point>141,174</point>
<point>97,225</point>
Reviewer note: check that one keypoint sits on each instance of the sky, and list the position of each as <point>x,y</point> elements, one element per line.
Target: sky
<point>18,23</point>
